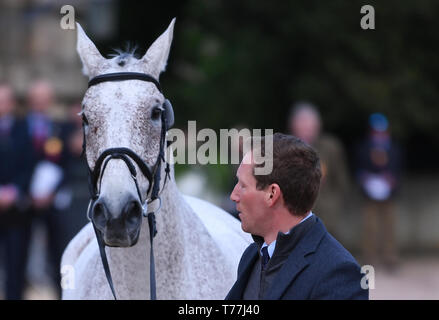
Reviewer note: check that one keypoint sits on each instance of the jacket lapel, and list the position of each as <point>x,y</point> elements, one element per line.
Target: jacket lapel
<point>296,261</point>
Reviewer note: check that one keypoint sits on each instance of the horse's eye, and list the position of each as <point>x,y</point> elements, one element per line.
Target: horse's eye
<point>84,120</point>
<point>85,124</point>
<point>156,113</point>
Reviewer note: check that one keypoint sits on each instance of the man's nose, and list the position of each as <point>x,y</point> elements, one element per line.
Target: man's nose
<point>234,195</point>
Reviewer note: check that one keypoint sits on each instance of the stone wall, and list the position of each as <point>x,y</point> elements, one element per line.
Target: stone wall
<point>33,45</point>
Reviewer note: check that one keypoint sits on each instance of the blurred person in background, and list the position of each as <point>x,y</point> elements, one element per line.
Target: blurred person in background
<point>305,123</point>
<point>15,170</point>
<point>73,196</point>
<point>378,172</point>
<point>48,154</point>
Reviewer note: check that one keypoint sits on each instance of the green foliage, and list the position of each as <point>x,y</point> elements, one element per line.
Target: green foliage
<point>246,62</point>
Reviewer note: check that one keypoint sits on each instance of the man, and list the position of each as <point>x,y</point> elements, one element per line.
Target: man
<point>305,123</point>
<point>48,154</point>
<point>379,164</point>
<point>293,256</point>
<point>15,171</point>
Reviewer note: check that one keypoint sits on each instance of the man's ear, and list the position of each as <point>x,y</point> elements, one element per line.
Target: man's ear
<point>274,194</point>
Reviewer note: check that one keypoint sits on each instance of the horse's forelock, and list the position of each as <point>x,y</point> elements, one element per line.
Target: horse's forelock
<point>123,57</point>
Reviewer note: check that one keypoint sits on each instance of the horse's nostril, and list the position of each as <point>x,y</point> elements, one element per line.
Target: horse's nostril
<point>133,213</point>
<point>99,214</point>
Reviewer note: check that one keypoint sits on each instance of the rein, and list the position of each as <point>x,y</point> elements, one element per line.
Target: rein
<point>127,155</point>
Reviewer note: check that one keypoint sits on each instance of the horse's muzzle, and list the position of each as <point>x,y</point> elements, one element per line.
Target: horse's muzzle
<point>120,225</point>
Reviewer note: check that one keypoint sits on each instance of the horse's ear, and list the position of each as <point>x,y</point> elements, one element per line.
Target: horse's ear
<point>90,56</point>
<point>156,56</point>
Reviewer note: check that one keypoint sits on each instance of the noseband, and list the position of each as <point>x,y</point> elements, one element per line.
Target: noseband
<point>152,174</point>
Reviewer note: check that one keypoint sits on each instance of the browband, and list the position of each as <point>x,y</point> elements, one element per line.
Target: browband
<point>120,76</point>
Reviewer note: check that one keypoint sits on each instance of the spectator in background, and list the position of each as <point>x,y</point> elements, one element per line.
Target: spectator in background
<point>74,195</point>
<point>305,123</point>
<point>378,162</point>
<point>48,155</point>
<point>15,170</point>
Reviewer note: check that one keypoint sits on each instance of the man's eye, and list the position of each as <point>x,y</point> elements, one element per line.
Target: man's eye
<point>156,113</point>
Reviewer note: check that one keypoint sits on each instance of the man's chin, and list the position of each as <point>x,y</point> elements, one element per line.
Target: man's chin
<point>243,225</point>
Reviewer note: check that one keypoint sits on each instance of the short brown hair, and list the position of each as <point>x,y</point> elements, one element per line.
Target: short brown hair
<point>296,169</point>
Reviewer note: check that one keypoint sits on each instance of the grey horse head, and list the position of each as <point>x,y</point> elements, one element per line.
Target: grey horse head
<point>122,114</point>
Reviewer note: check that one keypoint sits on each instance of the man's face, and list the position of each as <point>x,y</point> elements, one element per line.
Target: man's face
<point>40,97</point>
<point>250,201</point>
<point>6,100</point>
<point>306,126</point>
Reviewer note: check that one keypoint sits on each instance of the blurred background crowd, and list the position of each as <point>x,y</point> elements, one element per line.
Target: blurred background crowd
<point>365,99</point>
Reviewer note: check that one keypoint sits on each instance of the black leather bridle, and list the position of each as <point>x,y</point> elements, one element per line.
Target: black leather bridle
<point>127,155</point>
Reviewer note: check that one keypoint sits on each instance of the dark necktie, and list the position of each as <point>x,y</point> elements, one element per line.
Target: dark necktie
<point>265,257</point>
